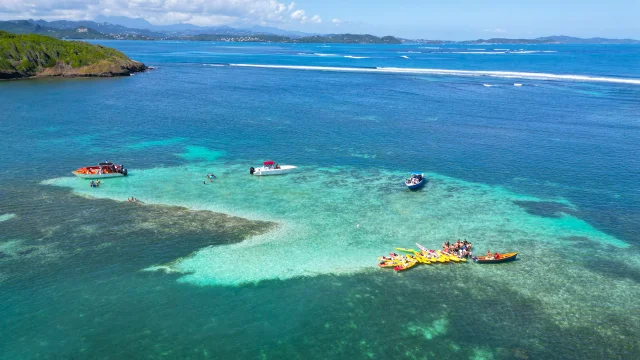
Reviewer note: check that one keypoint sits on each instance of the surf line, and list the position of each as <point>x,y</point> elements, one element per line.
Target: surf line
<point>499,74</point>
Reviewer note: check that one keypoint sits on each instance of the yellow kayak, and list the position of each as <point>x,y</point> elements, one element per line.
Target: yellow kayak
<point>388,264</point>
<point>456,258</point>
<point>444,256</point>
<point>405,266</point>
<point>406,250</point>
<point>422,259</point>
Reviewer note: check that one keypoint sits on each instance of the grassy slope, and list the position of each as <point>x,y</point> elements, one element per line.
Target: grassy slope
<point>28,55</point>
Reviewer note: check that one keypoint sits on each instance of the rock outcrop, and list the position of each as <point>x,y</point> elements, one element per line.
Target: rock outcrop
<point>24,56</point>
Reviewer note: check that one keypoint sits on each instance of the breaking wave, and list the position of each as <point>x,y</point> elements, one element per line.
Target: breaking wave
<point>498,74</point>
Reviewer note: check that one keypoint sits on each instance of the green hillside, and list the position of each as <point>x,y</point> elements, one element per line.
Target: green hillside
<point>33,55</point>
<point>27,27</point>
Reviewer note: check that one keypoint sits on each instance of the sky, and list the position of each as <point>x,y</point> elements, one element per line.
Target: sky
<point>426,19</point>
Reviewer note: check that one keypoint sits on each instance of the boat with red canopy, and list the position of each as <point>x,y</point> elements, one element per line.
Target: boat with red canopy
<point>270,167</point>
<point>103,170</point>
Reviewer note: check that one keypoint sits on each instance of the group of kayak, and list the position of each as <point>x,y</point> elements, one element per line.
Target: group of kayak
<point>427,257</point>
<point>414,257</point>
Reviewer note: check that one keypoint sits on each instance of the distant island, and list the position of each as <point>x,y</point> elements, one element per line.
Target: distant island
<point>86,29</point>
<point>541,40</point>
<point>23,56</point>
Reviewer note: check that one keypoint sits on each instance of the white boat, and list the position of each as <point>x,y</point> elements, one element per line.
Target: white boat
<point>269,167</point>
<point>102,170</point>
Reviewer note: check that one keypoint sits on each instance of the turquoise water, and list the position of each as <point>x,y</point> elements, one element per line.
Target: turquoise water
<point>285,267</point>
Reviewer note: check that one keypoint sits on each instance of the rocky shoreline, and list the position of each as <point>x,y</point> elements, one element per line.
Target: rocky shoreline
<point>103,68</point>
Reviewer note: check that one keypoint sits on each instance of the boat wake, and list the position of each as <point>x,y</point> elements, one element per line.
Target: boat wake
<point>498,74</point>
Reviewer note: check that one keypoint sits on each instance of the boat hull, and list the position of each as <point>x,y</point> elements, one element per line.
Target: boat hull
<point>503,258</point>
<point>284,169</point>
<point>97,176</point>
<point>417,186</point>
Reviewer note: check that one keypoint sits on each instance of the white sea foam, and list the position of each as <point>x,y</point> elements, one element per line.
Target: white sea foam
<point>488,85</point>
<point>5,217</point>
<point>323,54</point>
<point>404,57</point>
<point>517,84</point>
<point>478,52</point>
<point>214,65</point>
<point>356,57</point>
<point>498,74</point>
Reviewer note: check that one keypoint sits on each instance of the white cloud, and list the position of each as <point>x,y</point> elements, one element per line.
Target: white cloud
<point>301,16</point>
<point>199,12</point>
<point>298,15</point>
<point>337,22</point>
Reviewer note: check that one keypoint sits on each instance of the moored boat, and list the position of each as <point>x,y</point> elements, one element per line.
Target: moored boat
<point>415,181</point>
<point>269,167</point>
<point>103,170</point>
<point>493,259</point>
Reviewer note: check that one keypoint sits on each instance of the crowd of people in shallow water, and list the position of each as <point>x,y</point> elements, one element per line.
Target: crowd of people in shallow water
<point>459,248</point>
<point>94,183</point>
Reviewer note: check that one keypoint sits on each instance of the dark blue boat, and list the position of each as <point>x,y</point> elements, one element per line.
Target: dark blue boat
<point>415,181</point>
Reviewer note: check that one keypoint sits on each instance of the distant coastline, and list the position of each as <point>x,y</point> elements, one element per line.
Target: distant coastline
<point>90,30</point>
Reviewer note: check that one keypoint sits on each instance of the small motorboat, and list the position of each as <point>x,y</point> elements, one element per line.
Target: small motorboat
<point>492,259</point>
<point>415,181</point>
<point>269,167</point>
<point>103,170</point>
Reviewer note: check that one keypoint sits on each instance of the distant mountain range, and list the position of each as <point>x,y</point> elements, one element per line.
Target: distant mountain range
<point>105,30</point>
<point>120,27</point>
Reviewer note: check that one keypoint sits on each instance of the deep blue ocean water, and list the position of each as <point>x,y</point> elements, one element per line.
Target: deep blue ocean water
<point>285,267</point>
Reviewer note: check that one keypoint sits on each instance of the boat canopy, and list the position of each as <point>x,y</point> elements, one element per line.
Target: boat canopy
<point>269,162</point>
